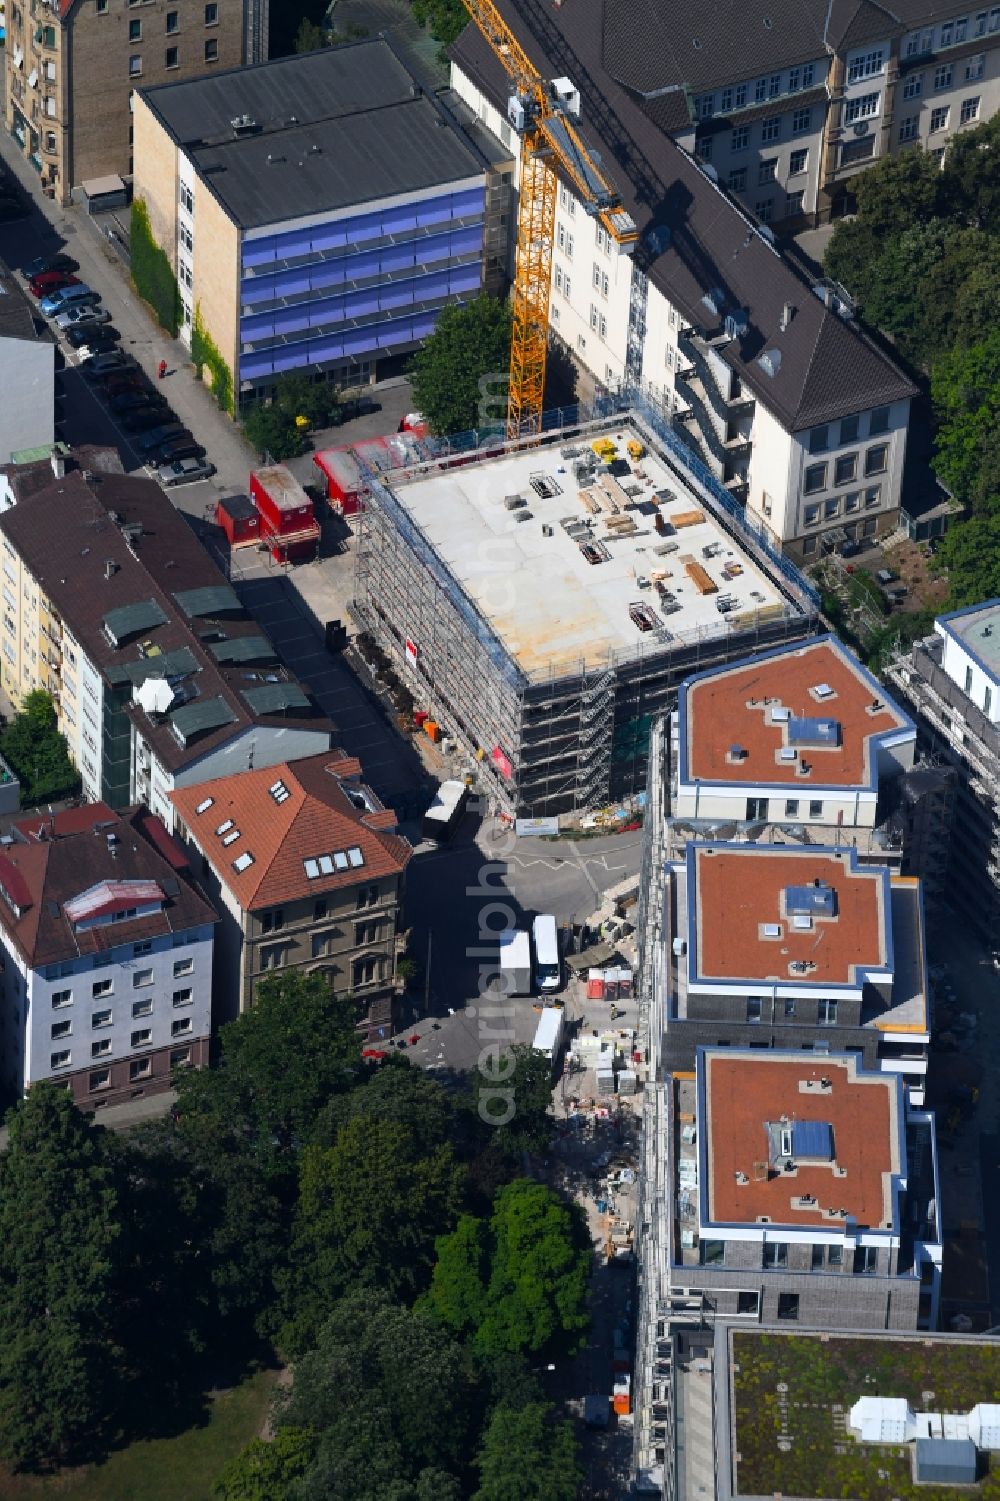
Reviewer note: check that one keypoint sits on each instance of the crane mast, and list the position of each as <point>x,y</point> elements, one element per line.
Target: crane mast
<point>549,141</point>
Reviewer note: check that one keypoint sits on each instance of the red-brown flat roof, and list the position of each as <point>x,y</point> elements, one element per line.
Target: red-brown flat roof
<point>744,1092</point>
<point>728,709</point>
<point>739,889</point>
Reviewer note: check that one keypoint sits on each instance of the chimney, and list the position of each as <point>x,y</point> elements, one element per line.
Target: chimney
<point>110,567</point>
<point>787,314</point>
<point>58,464</point>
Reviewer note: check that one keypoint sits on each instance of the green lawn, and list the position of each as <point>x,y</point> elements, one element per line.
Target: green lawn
<point>793,1394</point>
<point>170,1469</point>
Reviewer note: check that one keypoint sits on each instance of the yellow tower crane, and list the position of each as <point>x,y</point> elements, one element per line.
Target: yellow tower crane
<point>541,113</point>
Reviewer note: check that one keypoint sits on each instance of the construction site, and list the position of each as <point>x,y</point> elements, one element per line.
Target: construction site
<point>544,596</point>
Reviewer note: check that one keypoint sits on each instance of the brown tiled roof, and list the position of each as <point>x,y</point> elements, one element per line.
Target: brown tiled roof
<point>829,368</point>
<point>727,709</point>
<point>72,537</point>
<point>57,868</point>
<point>740,888</point>
<point>316,818</point>
<point>744,1093</point>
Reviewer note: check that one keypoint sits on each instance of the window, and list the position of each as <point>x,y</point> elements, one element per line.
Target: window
<point>975,68</point>
<point>789,1010</point>
<point>794,80</point>
<point>913,86</point>
<point>100,1019</point>
<point>713,1252</point>
<point>774,86</point>
<point>212,50</point>
<point>211,15</point>
<point>101,1048</point>
<point>947,33</point>
<point>135,31</point>
<point>271,922</point>
<point>748,1303</point>
<point>819,440</point>
<point>760,90</point>
<point>995,18</point>
<point>101,988</point>
<point>170,58</point>
<point>876,459</point>
<point>569,247</point>
<point>969,110</point>
<point>705,106</point>
<point>808,73</point>
<point>987,701</point>
<point>770,129</point>
<point>320,945</point>
<point>775,1253</point>
<point>849,430</point>
<point>846,469</point>
<point>866,1259</point>
<point>872,497</point>
<point>801,122</point>
<point>142,1008</point>
<point>367,897</point>
<point>61,1029</point>
<point>561,237</point>
<point>791,807</point>
<point>593,316</point>
<point>961,29</point>
<point>61,1059</point>
<point>909,128</point>
<point>740,96</point>
<point>737,180</point>
<point>183,997</point>
<point>566,286</point>
<point>135,66</point>
<point>866,66</point>
<point>756,809</point>
<point>794,203</point>
<point>725,101</point>
<point>815,478</point>
<point>102,7</point>
<point>788,1306</point>
<point>861,108</point>
<point>100,1079</point>
<point>852,502</point>
<point>50,145</point>
<point>142,977</point>
<point>815,808</point>
<point>272,956</point>
<point>764,209</point>
<point>811,515</point>
<point>942,77</point>
<point>767,171</point>
<point>139,950</point>
<point>140,1068</point>
<point>968,680</point>
<point>142,1038</point>
<point>558,278</point>
<point>857,151</point>
<point>173,22</point>
<point>818,1260</point>
<point>798,162</point>
<point>831,508</point>
<point>826,1013</point>
<point>181,1027</point>
<point>878,422</point>
<point>61,998</point>
<point>597,275</point>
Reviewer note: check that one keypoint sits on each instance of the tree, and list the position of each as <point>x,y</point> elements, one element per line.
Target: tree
<point>532,1263</point>
<point>36,751</point>
<point>369,1208</point>
<point>970,554</point>
<point>529,1081</point>
<point>60,1227</point>
<point>280,1062</point>
<point>399,1093</point>
<point>527,1455</point>
<point>267,1470</point>
<point>298,396</point>
<point>965,387</point>
<point>271,430</point>
<point>388,1395</point>
<point>445,19</point>
<point>310,36</point>
<point>471,342</point>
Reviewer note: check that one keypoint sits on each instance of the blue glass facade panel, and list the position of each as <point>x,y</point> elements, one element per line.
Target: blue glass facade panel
<point>405,286</point>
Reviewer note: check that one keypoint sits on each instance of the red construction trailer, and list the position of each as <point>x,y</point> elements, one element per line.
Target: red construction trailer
<point>287,518</point>
<point>238,518</point>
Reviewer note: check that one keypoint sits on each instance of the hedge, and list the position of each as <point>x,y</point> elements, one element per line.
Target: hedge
<point>152,275</point>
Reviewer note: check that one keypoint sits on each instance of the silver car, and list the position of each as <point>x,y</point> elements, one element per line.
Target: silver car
<point>78,317</point>
<point>185,471</point>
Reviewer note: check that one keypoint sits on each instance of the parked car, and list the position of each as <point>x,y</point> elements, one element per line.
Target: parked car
<point>170,453</point>
<point>141,419</point>
<point>95,338</point>
<point>51,281</point>
<point>79,317</point>
<point>128,401</point>
<point>78,294</point>
<point>185,471</point>
<point>124,381</point>
<point>101,367</point>
<point>45,263</point>
<point>151,442</point>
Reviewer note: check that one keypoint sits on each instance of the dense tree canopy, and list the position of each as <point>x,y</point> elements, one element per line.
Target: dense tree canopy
<point>36,752</point>
<point>528,1455</point>
<point>470,346</point>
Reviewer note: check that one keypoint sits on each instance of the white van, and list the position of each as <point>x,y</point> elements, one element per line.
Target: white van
<point>548,968</point>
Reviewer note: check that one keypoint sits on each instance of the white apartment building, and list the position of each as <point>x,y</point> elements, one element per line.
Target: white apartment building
<point>788,401</point>
<point>106,956</point>
<point>949,78</point>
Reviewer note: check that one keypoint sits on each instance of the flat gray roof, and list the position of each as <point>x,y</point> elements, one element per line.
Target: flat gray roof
<point>328,129</point>
<point>979,630</point>
<point>530,579</point>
